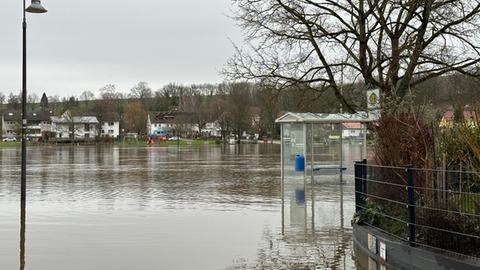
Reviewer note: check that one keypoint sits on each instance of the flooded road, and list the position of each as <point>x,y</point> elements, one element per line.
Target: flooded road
<point>208,207</point>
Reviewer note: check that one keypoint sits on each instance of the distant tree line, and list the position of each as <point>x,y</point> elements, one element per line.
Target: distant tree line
<point>235,106</point>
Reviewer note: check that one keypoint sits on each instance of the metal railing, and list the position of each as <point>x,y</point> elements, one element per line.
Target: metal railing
<point>436,209</point>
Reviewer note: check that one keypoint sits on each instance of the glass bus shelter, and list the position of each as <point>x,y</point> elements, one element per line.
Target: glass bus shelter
<point>311,146</point>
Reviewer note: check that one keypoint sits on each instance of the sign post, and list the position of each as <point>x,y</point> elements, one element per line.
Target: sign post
<point>373,104</point>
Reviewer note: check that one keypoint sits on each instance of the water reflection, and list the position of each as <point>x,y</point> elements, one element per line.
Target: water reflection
<point>315,241</point>
<point>316,231</point>
<point>22,234</point>
<point>212,207</point>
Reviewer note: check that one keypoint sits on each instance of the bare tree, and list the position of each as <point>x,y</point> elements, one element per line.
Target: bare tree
<point>222,115</point>
<point>240,108</point>
<point>32,100</point>
<point>141,91</point>
<point>385,44</point>
<point>135,118</point>
<point>201,107</point>
<point>87,95</point>
<point>168,96</point>
<point>110,100</point>
<point>13,101</point>
<point>2,99</point>
<point>109,92</point>
<point>54,102</point>
<point>268,99</point>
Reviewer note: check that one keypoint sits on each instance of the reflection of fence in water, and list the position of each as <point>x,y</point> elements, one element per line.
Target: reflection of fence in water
<point>431,208</point>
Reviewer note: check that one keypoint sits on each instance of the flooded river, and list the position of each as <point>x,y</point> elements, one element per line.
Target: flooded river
<point>208,207</point>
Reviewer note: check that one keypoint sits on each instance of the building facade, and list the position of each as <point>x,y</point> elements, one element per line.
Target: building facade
<point>161,124</point>
<point>11,124</point>
<point>38,124</point>
<point>110,126</point>
<point>77,128</point>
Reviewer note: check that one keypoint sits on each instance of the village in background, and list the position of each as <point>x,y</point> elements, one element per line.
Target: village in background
<point>227,112</point>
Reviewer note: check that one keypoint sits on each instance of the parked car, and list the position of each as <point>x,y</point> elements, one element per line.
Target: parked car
<point>174,138</point>
<point>9,139</point>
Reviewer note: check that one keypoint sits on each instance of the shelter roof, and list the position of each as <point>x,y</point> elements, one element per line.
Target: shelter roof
<point>324,118</point>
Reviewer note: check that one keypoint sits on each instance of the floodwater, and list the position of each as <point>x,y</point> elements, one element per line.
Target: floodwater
<point>208,207</point>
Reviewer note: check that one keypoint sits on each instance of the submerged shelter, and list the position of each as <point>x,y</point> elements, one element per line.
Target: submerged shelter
<point>312,144</point>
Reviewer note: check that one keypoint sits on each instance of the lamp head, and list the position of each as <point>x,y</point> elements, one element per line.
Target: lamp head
<point>36,7</point>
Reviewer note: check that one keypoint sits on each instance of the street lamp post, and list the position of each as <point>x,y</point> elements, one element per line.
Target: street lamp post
<point>35,7</point>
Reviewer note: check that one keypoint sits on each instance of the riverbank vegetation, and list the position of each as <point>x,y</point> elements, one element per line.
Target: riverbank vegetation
<point>445,156</point>
<point>236,107</point>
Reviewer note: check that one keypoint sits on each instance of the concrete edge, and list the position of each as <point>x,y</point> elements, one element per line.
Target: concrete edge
<point>394,253</point>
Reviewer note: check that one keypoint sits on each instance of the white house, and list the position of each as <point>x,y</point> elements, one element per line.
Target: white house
<point>160,123</point>
<point>38,124</point>
<point>110,126</point>
<point>171,123</point>
<point>212,129</point>
<point>82,127</point>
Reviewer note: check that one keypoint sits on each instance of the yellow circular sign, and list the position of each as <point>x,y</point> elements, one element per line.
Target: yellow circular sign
<point>373,99</point>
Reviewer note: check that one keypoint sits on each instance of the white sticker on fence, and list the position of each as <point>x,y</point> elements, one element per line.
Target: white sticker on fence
<point>383,251</point>
<point>372,243</point>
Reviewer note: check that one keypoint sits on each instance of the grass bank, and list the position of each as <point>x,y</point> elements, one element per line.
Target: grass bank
<point>14,144</point>
<point>190,142</point>
<point>9,144</point>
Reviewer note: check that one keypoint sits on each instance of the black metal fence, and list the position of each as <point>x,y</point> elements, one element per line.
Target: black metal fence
<point>436,209</point>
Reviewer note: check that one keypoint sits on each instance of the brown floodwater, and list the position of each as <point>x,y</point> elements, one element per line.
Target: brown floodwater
<point>207,207</point>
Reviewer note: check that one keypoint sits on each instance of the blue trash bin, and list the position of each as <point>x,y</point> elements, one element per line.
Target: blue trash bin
<point>299,163</point>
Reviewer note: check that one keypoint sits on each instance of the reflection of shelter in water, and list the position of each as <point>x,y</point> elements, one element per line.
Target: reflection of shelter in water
<point>297,207</point>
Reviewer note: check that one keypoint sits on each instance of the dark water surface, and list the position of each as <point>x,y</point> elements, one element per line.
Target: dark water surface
<point>209,207</point>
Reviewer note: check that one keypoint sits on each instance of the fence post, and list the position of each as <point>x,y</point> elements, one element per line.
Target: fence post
<point>410,204</point>
<point>358,185</point>
<point>364,182</point>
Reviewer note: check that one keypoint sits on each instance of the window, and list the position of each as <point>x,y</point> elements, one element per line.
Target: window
<point>110,131</point>
<point>111,124</point>
<point>103,131</point>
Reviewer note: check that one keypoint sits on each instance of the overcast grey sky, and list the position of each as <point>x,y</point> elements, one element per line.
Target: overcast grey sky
<point>86,44</point>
